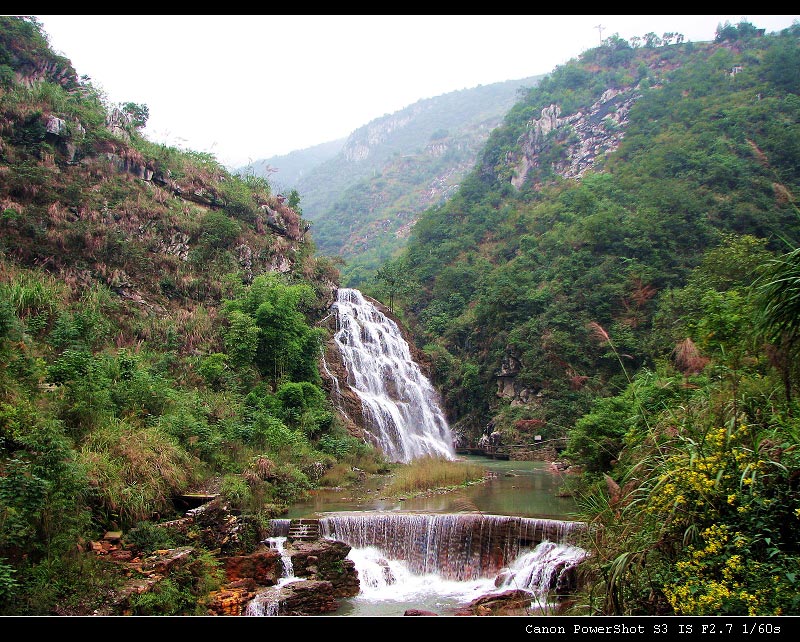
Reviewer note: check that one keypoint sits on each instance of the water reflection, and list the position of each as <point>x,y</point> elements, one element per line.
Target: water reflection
<point>519,488</point>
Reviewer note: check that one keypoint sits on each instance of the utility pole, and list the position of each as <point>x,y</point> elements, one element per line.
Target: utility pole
<point>600,31</point>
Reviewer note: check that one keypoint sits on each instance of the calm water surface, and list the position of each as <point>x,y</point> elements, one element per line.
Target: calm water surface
<point>520,488</point>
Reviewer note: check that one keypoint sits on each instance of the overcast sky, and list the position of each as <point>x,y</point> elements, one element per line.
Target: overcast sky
<point>250,87</point>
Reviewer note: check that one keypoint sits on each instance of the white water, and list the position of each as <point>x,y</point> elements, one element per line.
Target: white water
<point>267,603</point>
<point>388,587</point>
<point>460,547</point>
<point>440,562</point>
<point>399,402</point>
<point>538,571</point>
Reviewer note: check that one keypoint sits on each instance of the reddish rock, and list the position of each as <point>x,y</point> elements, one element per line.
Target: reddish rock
<point>307,597</point>
<point>513,602</point>
<point>229,601</point>
<point>326,559</point>
<point>419,612</point>
<point>264,568</point>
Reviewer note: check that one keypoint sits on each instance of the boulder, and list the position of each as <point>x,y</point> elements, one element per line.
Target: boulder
<point>264,568</point>
<point>231,600</point>
<point>307,597</point>
<point>326,560</point>
<point>512,602</point>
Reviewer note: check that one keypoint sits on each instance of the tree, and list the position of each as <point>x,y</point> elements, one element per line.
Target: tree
<point>651,40</point>
<point>294,201</point>
<point>138,113</point>
<point>393,278</point>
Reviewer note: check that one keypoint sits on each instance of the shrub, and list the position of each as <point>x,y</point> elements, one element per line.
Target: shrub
<point>218,230</point>
<point>236,491</point>
<point>165,598</point>
<point>214,369</point>
<point>147,537</point>
<point>8,585</point>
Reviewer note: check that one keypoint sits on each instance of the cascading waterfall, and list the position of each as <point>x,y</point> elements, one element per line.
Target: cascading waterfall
<point>399,402</point>
<point>454,546</point>
<point>267,603</point>
<point>541,569</point>
<point>279,527</point>
<point>404,556</point>
<point>278,544</point>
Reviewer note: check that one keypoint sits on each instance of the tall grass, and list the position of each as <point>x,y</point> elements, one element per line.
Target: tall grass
<point>135,471</point>
<point>429,473</point>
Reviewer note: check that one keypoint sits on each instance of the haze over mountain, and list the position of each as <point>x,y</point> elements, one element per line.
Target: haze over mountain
<point>363,196</point>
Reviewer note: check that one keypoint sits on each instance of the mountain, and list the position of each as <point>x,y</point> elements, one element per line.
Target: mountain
<point>602,189</point>
<point>285,171</point>
<point>614,287</point>
<point>363,200</point>
<point>158,337</point>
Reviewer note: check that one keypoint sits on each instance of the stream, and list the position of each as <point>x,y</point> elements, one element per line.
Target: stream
<point>393,581</point>
<point>436,551</point>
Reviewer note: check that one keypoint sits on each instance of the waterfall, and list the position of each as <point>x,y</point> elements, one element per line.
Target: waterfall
<point>458,547</point>
<point>268,602</point>
<point>540,569</point>
<point>277,543</point>
<point>400,404</point>
<point>279,527</point>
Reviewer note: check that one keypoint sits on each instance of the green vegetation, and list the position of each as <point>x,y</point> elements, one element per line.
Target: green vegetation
<point>646,313</point>
<point>159,327</point>
<point>148,346</point>
<point>702,514</point>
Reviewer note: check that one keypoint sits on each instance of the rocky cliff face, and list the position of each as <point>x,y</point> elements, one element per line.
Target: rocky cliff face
<point>586,135</point>
<point>364,140</point>
<point>78,196</point>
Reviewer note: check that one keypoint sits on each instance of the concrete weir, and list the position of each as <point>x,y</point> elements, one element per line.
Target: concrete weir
<point>455,546</point>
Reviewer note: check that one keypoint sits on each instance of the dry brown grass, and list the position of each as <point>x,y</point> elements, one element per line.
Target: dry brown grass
<point>687,357</point>
<point>135,471</point>
<point>429,473</point>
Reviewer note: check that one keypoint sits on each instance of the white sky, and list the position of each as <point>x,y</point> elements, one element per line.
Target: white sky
<point>250,87</point>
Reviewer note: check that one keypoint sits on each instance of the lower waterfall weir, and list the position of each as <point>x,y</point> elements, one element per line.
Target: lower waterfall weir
<point>442,559</point>
<point>454,546</point>
<point>400,406</point>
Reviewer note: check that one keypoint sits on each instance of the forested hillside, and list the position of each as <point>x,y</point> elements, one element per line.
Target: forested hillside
<point>620,271</point>
<point>157,336</point>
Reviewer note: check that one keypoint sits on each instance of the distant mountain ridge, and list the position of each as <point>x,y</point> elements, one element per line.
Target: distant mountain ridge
<point>364,197</point>
<point>289,169</point>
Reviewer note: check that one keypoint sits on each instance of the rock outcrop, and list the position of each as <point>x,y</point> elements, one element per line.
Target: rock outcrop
<point>307,597</point>
<point>587,136</point>
<point>263,567</point>
<point>513,602</point>
<point>326,560</point>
